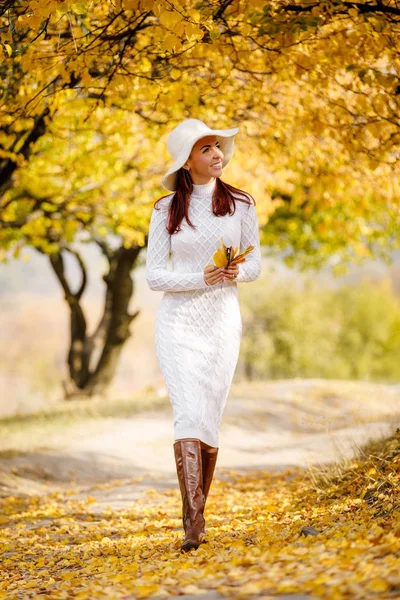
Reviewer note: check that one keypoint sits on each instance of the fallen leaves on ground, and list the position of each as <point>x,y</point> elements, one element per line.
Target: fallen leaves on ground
<point>333,534</point>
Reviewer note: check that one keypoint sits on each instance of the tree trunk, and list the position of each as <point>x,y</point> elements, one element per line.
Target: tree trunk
<point>93,360</point>
<point>248,370</point>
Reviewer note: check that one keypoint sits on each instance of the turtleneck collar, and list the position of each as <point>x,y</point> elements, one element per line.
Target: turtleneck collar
<point>205,190</point>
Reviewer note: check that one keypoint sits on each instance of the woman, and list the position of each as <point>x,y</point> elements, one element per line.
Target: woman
<point>198,324</point>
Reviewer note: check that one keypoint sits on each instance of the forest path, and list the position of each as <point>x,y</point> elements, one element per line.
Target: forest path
<point>269,425</point>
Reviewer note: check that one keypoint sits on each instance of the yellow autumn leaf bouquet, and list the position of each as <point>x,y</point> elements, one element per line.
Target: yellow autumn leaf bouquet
<point>227,255</point>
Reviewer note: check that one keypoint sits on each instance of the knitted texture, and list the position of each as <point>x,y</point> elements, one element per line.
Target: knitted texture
<point>198,327</point>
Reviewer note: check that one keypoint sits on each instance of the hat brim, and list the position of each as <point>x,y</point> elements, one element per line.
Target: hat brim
<point>227,137</point>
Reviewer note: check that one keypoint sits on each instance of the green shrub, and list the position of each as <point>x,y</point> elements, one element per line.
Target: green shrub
<point>349,333</point>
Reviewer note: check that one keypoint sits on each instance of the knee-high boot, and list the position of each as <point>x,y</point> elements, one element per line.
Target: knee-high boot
<point>209,456</point>
<point>189,469</point>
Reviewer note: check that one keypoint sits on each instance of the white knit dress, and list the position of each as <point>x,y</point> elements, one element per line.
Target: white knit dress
<point>197,329</point>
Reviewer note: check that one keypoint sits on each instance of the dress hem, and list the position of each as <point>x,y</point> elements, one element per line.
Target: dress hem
<point>197,433</point>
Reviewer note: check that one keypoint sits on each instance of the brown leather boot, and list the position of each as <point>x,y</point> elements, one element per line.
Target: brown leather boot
<point>190,476</point>
<point>209,456</point>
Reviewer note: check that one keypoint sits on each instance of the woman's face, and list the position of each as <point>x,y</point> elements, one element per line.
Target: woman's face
<point>205,160</point>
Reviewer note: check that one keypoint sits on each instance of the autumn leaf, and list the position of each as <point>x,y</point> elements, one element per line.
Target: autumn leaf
<point>226,256</point>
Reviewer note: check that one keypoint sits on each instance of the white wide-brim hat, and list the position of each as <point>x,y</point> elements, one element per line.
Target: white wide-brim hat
<point>182,139</point>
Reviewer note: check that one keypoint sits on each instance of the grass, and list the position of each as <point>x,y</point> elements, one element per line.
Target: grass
<point>373,475</point>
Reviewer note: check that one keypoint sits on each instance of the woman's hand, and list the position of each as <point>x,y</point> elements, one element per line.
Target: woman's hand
<point>230,271</point>
<point>213,275</point>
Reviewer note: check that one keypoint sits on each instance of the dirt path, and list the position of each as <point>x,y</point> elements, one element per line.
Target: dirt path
<point>109,463</point>
<point>266,426</point>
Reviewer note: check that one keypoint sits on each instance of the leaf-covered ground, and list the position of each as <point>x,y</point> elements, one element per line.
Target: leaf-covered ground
<point>333,534</point>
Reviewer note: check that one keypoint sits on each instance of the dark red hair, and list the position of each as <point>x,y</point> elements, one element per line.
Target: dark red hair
<point>223,200</point>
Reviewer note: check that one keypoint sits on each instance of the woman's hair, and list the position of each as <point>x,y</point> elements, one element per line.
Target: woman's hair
<point>223,200</point>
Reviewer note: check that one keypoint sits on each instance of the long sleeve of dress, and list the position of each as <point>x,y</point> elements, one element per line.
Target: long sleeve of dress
<point>250,270</point>
<point>158,248</point>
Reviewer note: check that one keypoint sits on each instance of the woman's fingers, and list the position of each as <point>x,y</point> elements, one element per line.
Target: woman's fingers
<point>213,275</point>
<point>230,271</point>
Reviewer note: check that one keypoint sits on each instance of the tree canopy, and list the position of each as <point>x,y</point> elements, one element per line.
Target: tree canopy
<point>90,90</point>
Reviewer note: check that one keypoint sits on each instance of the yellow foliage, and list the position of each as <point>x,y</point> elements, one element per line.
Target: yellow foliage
<point>194,14</point>
<point>315,98</point>
<point>193,32</point>
<point>175,74</point>
<point>147,4</point>
<point>170,18</point>
<point>130,4</point>
<point>224,256</point>
<point>172,43</point>
<point>179,29</point>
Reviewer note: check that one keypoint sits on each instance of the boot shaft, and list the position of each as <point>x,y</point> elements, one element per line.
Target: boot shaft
<point>209,460</point>
<point>189,468</point>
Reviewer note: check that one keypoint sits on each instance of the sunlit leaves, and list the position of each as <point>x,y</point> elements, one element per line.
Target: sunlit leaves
<point>170,18</point>
<point>172,43</point>
<point>314,93</point>
<point>226,256</point>
<point>57,546</point>
<point>94,181</point>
